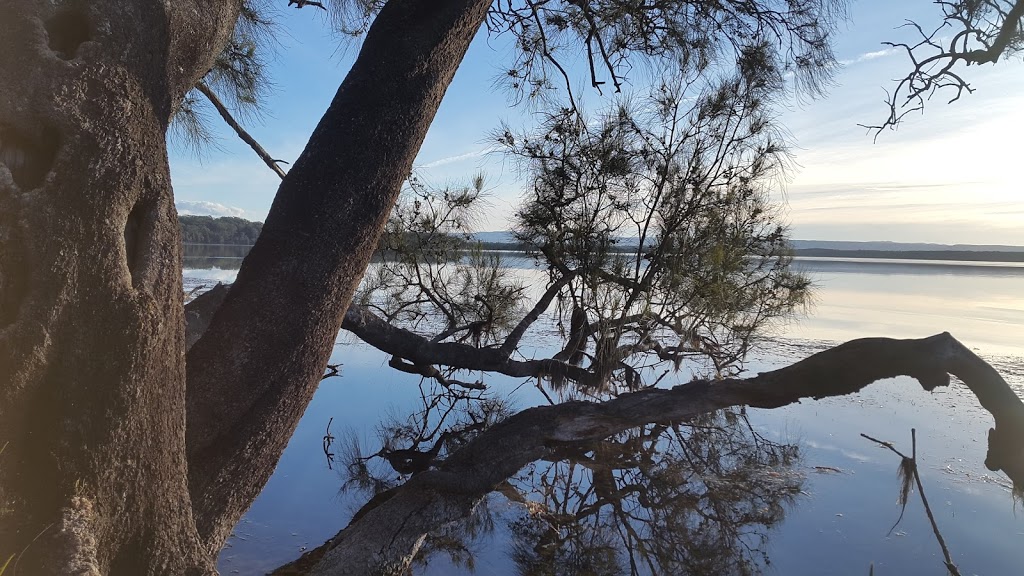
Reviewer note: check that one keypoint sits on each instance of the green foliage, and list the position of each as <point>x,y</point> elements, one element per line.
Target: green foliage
<point>653,222</point>
<point>238,77</point>
<point>226,230</point>
<point>685,174</point>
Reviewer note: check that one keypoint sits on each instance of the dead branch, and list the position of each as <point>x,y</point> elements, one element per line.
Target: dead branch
<point>911,462</point>
<point>428,371</point>
<point>245,136</point>
<point>982,32</point>
<point>391,533</point>
<point>421,351</point>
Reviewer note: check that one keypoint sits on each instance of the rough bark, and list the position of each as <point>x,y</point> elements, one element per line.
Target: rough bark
<point>92,375</point>
<point>387,533</point>
<point>255,369</point>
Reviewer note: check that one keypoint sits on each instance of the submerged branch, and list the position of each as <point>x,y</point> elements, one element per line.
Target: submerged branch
<point>389,534</point>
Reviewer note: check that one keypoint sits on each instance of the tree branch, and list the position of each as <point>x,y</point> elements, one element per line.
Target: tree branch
<point>428,371</point>
<point>935,71</point>
<point>254,371</point>
<point>422,351</point>
<point>513,338</point>
<point>248,139</point>
<point>391,533</point>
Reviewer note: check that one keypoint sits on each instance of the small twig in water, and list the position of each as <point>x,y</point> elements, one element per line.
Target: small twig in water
<point>328,440</point>
<point>908,469</point>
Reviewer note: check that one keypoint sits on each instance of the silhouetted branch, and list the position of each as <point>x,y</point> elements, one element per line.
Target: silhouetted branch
<point>421,351</point>
<point>910,462</point>
<point>513,338</point>
<point>304,3</point>
<point>328,440</point>
<point>428,371</point>
<point>390,533</point>
<point>983,32</point>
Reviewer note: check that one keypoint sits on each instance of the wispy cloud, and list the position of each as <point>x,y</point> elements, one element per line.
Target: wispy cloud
<point>869,56</point>
<point>459,158</point>
<point>205,208</point>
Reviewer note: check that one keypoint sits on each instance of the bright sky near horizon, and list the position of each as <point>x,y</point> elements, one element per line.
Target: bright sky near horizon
<point>951,175</point>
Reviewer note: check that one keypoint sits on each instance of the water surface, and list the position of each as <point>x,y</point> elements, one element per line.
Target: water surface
<point>839,520</point>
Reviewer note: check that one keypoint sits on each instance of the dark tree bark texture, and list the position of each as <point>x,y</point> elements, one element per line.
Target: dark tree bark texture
<point>96,477</point>
<point>92,376</point>
<point>244,400</point>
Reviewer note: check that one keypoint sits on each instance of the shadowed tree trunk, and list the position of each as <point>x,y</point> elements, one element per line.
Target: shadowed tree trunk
<point>92,378</point>
<point>94,477</point>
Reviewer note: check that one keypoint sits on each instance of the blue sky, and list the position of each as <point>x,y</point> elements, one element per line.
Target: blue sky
<point>951,175</point>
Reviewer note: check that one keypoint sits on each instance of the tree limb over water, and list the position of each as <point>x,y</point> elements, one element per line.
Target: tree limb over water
<point>389,534</point>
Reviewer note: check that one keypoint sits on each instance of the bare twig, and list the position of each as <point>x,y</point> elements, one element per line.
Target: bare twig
<point>328,440</point>
<point>911,463</point>
<point>991,27</point>
<point>245,136</point>
<point>332,370</point>
<point>928,510</point>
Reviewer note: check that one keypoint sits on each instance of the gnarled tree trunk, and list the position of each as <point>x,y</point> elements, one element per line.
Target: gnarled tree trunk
<point>92,379</point>
<point>96,477</point>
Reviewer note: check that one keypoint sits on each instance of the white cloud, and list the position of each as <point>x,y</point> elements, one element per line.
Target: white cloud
<point>204,208</point>
<point>869,56</point>
<point>459,158</point>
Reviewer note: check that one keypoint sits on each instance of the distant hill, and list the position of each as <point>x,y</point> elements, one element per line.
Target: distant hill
<point>953,255</point>
<point>839,249</point>
<point>228,230</point>
<point>506,237</point>
<point>901,246</point>
<point>224,230</point>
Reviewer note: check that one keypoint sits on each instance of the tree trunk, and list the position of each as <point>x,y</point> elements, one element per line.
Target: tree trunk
<point>257,365</point>
<point>98,436</point>
<point>92,375</point>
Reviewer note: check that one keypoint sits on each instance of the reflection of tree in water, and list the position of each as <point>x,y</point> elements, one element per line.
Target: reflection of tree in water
<point>446,419</point>
<point>688,499</point>
<point>206,256</point>
<point>695,498</point>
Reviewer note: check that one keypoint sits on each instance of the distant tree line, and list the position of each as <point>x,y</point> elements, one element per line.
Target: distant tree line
<point>224,230</point>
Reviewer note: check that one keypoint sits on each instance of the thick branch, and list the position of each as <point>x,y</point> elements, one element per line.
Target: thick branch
<point>428,371</point>
<point>418,350</point>
<point>390,533</point>
<point>245,136</point>
<point>255,369</point>
<point>1007,32</point>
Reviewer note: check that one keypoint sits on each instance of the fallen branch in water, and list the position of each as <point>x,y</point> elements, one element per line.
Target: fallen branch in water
<point>389,532</point>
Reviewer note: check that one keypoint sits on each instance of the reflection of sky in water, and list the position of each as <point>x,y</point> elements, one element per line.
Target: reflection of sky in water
<point>195,277</point>
<point>839,526</point>
<point>982,306</point>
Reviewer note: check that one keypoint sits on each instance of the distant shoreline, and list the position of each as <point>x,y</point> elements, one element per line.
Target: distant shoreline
<point>939,255</point>
<point>931,255</point>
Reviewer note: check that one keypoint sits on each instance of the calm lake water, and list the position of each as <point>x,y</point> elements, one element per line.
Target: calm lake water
<point>844,490</point>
